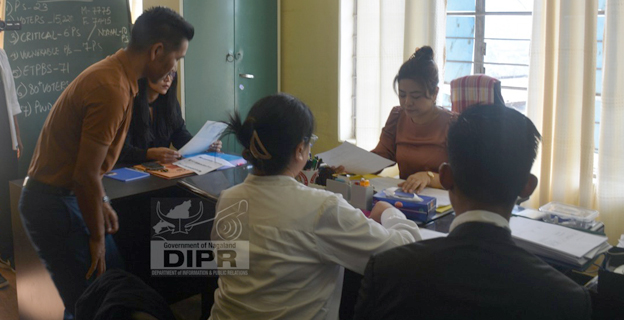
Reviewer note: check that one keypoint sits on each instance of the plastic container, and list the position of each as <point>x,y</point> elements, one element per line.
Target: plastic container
<point>568,215</point>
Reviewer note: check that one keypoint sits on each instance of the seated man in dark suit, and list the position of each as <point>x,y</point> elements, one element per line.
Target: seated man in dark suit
<point>476,272</point>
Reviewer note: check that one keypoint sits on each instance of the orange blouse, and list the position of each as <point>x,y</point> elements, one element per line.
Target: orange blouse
<point>415,147</point>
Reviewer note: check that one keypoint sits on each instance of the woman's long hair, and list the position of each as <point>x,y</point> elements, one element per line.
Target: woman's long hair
<point>165,115</point>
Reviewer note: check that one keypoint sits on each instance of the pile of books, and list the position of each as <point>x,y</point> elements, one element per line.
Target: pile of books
<point>558,244</point>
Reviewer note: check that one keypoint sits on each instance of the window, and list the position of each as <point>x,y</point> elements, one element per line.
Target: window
<point>136,8</point>
<point>489,37</point>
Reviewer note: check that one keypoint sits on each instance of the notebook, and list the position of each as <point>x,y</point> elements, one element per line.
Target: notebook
<point>171,171</point>
<point>126,174</point>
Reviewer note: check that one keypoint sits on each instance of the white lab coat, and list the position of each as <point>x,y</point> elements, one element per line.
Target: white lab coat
<point>11,104</point>
<point>300,240</point>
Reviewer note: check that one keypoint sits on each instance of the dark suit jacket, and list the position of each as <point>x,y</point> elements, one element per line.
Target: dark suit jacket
<point>477,272</point>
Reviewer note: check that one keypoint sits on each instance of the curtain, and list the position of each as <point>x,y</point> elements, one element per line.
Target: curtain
<point>561,99</point>
<point>561,103</point>
<point>388,31</point>
<point>610,191</point>
<point>136,8</point>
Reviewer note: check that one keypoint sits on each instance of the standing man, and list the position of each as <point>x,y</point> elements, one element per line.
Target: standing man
<point>477,271</point>
<point>63,205</point>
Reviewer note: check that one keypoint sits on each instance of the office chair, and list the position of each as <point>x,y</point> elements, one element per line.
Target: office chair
<point>475,89</point>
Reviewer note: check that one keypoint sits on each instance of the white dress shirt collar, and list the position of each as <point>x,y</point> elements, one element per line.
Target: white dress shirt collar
<point>480,216</point>
<point>272,180</point>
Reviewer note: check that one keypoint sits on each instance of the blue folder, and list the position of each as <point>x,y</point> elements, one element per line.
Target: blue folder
<point>126,174</point>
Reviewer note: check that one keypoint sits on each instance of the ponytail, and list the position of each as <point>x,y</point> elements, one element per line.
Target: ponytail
<point>272,130</point>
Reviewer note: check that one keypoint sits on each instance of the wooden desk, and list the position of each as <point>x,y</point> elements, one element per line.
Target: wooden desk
<point>37,295</point>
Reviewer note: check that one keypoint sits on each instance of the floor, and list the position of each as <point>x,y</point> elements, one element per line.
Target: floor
<point>8,296</point>
<point>189,309</point>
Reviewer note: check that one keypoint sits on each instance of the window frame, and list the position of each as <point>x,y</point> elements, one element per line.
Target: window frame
<point>480,45</point>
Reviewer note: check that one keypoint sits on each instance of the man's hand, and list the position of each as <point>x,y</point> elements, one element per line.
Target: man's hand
<point>378,209</point>
<point>98,256</point>
<point>110,219</point>
<point>163,155</point>
<point>20,148</point>
<point>416,182</point>
<point>216,146</point>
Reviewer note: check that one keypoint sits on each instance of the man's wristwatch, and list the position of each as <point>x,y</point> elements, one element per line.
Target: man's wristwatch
<point>106,199</point>
<point>430,174</point>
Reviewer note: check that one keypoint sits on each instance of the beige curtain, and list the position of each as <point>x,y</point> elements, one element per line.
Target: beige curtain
<point>610,192</point>
<point>136,8</point>
<point>561,99</point>
<point>388,31</point>
<point>561,103</point>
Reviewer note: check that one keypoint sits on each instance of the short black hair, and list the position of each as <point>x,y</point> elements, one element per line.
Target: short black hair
<point>281,122</point>
<point>491,150</point>
<point>421,68</point>
<point>160,24</point>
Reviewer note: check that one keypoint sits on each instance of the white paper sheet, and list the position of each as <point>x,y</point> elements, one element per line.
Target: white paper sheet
<point>354,159</point>
<point>209,133</point>
<point>383,183</point>
<point>531,214</point>
<point>441,196</point>
<point>202,164</point>
<point>427,234</point>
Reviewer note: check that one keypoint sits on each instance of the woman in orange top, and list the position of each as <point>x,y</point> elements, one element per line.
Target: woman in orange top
<point>415,133</point>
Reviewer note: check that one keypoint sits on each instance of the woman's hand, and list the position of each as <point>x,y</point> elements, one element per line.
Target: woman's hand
<point>216,146</point>
<point>163,155</point>
<point>338,169</point>
<point>416,182</point>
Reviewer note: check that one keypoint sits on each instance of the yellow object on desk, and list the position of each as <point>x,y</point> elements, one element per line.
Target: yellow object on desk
<point>441,209</point>
<point>359,177</point>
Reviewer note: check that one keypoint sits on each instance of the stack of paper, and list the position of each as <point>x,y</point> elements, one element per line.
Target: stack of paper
<point>207,162</point>
<point>557,243</point>
<point>203,163</point>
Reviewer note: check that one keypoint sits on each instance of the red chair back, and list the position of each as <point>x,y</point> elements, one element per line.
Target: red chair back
<point>475,89</point>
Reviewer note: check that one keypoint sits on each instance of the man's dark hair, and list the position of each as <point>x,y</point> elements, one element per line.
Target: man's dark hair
<point>491,151</point>
<point>160,24</point>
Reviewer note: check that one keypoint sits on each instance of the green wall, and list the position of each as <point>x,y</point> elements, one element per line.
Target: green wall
<point>309,36</point>
<point>309,49</point>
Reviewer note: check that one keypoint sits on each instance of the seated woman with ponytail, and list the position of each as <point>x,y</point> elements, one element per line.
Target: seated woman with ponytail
<point>300,238</point>
<point>415,133</point>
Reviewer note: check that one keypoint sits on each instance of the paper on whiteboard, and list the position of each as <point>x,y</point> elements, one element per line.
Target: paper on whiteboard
<point>354,159</point>
<point>209,133</point>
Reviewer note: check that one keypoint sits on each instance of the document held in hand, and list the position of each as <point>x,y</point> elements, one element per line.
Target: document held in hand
<point>354,159</point>
<point>209,133</point>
